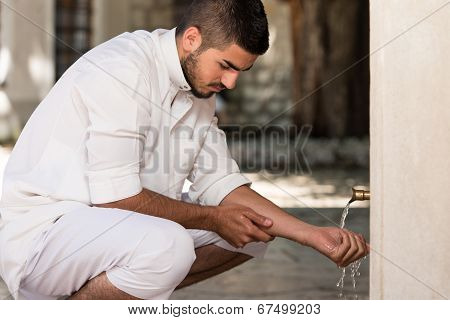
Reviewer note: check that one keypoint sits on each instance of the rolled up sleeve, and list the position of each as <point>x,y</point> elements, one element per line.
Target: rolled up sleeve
<point>215,173</point>
<point>116,131</point>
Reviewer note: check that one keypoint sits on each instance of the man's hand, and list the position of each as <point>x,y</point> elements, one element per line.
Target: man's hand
<point>340,245</point>
<point>240,225</point>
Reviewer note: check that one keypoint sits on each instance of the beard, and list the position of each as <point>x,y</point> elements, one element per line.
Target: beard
<point>189,66</point>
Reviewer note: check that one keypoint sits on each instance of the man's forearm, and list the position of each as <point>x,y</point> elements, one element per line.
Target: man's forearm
<point>190,216</point>
<point>284,225</point>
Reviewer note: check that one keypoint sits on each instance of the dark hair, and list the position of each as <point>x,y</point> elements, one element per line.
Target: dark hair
<point>224,22</point>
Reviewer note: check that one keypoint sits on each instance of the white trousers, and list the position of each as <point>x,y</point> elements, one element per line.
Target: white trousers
<point>144,256</point>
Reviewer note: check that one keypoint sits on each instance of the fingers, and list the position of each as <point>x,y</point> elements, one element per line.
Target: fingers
<point>260,235</point>
<point>249,232</point>
<point>248,226</point>
<point>352,249</point>
<point>360,252</point>
<point>256,234</point>
<point>343,248</point>
<point>364,243</point>
<point>258,219</point>
<point>357,250</point>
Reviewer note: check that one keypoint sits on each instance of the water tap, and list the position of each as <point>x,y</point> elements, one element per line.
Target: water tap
<point>359,195</point>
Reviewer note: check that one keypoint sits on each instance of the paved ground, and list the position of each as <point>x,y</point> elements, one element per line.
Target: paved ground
<point>290,271</point>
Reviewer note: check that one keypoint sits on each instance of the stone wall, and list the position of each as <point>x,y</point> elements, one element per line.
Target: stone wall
<point>410,172</point>
<point>27,61</point>
<point>150,15</point>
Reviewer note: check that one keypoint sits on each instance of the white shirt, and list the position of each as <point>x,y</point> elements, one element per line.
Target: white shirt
<point>122,118</point>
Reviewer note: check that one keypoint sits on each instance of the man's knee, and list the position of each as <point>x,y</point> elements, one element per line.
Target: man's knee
<point>159,264</point>
<point>175,249</point>
<point>180,253</point>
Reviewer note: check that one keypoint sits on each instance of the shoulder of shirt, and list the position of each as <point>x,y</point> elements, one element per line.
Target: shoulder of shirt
<point>129,48</point>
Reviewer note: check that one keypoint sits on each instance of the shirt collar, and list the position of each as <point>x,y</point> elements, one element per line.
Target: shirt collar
<point>172,60</point>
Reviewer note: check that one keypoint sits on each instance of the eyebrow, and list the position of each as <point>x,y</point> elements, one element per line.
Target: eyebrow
<point>232,66</point>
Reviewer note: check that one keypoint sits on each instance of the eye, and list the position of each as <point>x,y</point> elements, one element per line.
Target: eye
<point>224,67</point>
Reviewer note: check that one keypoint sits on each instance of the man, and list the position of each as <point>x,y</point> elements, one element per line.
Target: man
<point>92,202</point>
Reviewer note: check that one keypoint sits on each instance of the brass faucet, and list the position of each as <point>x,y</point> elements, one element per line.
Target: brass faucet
<point>359,195</point>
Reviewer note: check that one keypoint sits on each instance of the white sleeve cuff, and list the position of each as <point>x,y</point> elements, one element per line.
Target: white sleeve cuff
<point>114,189</point>
<point>221,188</point>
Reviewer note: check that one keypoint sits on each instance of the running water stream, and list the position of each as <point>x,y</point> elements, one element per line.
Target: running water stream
<point>354,266</point>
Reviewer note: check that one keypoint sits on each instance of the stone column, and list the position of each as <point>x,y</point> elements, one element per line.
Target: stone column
<point>410,149</point>
<point>109,19</point>
<point>27,44</point>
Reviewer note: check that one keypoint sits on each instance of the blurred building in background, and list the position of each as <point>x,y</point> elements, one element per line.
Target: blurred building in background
<point>304,80</point>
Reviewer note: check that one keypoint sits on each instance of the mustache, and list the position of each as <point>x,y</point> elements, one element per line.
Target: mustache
<point>219,85</point>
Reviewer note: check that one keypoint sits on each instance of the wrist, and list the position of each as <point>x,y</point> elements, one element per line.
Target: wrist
<point>210,218</point>
<point>305,234</point>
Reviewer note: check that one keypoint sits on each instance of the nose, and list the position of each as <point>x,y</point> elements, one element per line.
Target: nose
<point>229,79</point>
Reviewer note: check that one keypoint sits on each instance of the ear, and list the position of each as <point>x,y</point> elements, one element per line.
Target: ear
<point>191,39</point>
